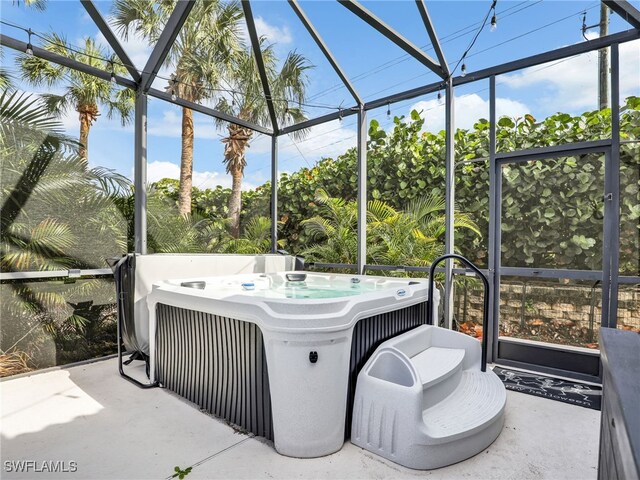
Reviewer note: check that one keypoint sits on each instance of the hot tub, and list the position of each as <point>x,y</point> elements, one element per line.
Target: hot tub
<point>278,354</point>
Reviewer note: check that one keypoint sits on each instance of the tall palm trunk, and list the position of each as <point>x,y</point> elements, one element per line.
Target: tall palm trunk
<point>235,146</point>
<point>88,114</point>
<point>186,163</point>
<point>235,200</point>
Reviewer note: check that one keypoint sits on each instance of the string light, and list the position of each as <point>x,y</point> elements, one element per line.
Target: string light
<point>388,110</point>
<point>515,9</point>
<point>586,27</point>
<point>494,20</point>
<point>340,115</point>
<point>29,50</point>
<point>113,75</point>
<point>439,97</point>
<point>492,9</point>
<point>172,86</point>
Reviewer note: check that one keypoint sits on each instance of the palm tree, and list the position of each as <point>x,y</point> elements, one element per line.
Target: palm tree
<point>255,239</point>
<point>412,236</point>
<point>6,78</point>
<point>199,56</point>
<point>40,5</point>
<point>56,214</point>
<point>246,101</point>
<point>394,237</point>
<point>334,229</point>
<point>83,93</point>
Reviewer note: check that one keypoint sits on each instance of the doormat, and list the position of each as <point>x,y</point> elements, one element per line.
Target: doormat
<point>574,393</point>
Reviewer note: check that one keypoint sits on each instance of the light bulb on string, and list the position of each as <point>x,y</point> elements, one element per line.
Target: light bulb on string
<point>494,19</point>
<point>463,70</point>
<point>172,86</point>
<point>113,75</point>
<point>440,97</point>
<point>29,50</point>
<point>388,110</point>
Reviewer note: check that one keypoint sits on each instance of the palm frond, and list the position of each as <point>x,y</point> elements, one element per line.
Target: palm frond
<point>57,105</point>
<point>121,104</point>
<point>25,120</point>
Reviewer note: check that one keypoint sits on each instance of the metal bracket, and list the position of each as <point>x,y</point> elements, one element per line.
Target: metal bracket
<point>74,273</point>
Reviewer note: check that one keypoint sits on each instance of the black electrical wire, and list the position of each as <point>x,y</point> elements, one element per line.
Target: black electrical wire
<point>444,40</point>
<point>172,81</point>
<point>475,38</point>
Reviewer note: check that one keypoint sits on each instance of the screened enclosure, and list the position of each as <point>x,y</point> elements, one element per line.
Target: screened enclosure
<point>367,137</point>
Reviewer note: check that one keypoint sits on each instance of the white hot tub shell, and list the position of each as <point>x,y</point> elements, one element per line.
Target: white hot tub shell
<point>307,343</point>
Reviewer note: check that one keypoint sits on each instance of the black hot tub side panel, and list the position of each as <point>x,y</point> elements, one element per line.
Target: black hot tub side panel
<point>368,334</point>
<point>219,363</point>
<point>216,362</point>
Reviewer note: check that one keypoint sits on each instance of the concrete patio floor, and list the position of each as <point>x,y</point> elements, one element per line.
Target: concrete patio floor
<point>112,430</point>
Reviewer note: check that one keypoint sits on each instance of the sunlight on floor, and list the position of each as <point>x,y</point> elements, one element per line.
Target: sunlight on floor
<point>30,405</point>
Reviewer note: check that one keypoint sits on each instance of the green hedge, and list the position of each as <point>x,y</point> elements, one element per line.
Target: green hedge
<point>552,210</point>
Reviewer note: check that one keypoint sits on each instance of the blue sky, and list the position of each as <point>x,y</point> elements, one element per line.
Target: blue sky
<point>376,66</point>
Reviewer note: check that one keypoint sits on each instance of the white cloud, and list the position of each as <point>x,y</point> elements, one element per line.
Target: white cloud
<point>138,50</point>
<point>275,34</point>
<point>71,122</point>
<point>468,110</point>
<point>170,125</point>
<point>135,46</point>
<point>279,35</point>
<point>158,169</point>
<point>629,68</point>
<point>325,140</point>
<point>572,85</point>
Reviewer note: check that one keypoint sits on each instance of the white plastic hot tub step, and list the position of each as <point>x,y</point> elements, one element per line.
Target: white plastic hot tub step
<point>473,406</point>
<point>436,364</point>
<point>422,400</point>
<point>439,370</point>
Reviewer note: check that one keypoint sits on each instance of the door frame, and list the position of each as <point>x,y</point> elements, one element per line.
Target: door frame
<point>549,358</point>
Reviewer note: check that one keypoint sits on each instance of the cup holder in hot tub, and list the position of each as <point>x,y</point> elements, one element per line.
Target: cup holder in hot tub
<point>200,284</point>
<point>296,277</point>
